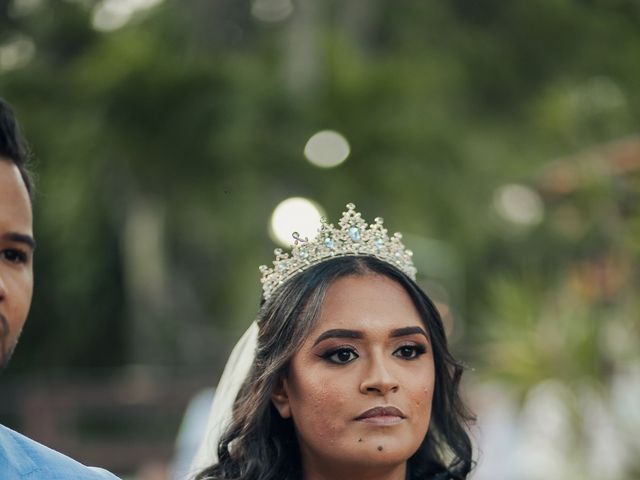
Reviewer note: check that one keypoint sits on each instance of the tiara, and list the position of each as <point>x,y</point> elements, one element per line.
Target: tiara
<point>353,238</point>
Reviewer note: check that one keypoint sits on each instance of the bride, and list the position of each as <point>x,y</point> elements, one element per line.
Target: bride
<point>345,373</point>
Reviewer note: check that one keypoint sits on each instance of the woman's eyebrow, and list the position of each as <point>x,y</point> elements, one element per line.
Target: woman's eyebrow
<point>338,333</point>
<point>403,332</point>
<point>344,333</point>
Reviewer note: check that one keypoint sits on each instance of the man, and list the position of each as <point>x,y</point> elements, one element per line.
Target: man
<point>20,457</point>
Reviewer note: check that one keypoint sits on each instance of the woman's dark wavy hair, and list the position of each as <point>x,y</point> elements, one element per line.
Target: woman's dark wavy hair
<point>261,445</point>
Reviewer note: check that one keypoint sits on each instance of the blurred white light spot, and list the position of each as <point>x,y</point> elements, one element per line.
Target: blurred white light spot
<point>295,214</point>
<point>22,8</point>
<point>327,149</point>
<point>605,93</point>
<point>16,53</point>
<point>519,204</point>
<point>109,15</point>
<point>271,10</point>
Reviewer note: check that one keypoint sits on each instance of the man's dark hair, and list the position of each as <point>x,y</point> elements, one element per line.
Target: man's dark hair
<point>12,145</point>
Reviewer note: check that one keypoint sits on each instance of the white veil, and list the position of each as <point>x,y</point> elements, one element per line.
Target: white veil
<point>235,371</point>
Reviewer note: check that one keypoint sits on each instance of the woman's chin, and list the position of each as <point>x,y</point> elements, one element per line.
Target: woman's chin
<point>376,455</point>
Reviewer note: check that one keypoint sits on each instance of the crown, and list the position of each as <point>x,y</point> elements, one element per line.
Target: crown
<point>353,238</point>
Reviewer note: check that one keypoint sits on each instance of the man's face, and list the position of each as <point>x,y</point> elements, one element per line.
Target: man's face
<point>16,257</point>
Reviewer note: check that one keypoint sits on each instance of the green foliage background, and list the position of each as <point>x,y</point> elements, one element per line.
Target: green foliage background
<point>202,110</point>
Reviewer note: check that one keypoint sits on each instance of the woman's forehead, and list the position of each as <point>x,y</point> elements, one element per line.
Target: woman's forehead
<point>367,302</point>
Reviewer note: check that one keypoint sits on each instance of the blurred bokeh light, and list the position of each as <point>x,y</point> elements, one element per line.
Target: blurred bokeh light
<point>292,215</point>
<point>271,10</point>
<point>109,15</point>
<point>16,52</point>
<point>519,204</point>
<point>327,149</point>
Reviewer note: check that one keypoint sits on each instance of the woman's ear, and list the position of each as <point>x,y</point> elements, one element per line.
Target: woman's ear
<point>280,397</point>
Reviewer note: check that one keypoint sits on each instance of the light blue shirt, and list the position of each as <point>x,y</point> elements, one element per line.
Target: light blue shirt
<point>24,459</point>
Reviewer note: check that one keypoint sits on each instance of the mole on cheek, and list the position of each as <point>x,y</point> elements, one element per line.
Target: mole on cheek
<point>359,440</point>
<point>380,448</point>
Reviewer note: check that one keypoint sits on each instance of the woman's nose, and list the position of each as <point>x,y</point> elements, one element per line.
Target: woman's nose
<point>378,379</point>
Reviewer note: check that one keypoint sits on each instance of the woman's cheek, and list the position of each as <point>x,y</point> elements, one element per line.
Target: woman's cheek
<point>328,406</point>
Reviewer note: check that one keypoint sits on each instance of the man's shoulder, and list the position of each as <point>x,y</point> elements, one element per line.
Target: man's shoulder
<point>24,459</point>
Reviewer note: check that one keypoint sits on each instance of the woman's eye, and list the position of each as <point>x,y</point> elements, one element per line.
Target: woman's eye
<point>14,256</point>
<point>342,356</point>
<point>409,352</point>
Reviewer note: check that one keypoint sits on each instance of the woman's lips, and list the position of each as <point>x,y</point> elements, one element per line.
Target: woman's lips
<point>382,416</point>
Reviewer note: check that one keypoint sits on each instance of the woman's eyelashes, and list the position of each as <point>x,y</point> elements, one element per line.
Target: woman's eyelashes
<point>340,355</point>
<point>346,354</point>
<point>410,351</point>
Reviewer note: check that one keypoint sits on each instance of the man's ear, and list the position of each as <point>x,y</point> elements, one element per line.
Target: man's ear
<point>280,397</point>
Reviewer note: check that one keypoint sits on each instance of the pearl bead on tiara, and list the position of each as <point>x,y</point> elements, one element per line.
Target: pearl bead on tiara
<point>353,238</point>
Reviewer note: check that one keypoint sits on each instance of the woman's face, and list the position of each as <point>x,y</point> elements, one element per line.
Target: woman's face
<point>359,390</point>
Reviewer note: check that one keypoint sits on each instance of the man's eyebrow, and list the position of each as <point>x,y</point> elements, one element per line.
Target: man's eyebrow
<point>20,238</point>
<point>403,332</point>
<point>338,333</point>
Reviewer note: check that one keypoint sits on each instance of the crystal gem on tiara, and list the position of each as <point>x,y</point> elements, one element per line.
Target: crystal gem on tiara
<point>353,237</point>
